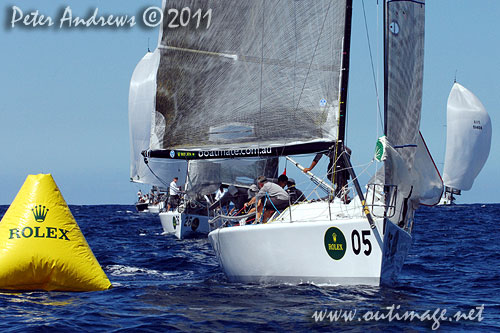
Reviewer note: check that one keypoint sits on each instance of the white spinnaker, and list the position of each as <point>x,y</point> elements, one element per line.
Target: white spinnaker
<point>468,138</point>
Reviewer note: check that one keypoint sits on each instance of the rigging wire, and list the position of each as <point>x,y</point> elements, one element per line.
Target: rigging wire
<point>262,60</point>
<point>154,174</point>
<point>312,58</point>
<point>364,170</point>
<point>371,60</point>
<point>296,49</point>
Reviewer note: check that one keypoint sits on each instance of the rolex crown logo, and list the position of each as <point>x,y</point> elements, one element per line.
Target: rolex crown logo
<point>334,236</point>
<point>39,212</point>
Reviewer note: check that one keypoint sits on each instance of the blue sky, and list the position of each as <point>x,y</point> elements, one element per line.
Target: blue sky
<point>64,100</point>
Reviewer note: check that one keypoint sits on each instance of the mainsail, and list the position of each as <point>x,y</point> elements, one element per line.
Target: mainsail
<point>468,138</point>
<point>186,64</point>
<point>248,78</point>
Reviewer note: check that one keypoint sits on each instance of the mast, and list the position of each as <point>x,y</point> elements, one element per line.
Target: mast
<point>387,188</point>
<point>343,110</point>
<point>386,26</point>
<point>345,71</point>
<point>344,81</point>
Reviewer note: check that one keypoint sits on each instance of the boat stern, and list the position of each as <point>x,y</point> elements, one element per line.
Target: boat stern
<point>182,225</point>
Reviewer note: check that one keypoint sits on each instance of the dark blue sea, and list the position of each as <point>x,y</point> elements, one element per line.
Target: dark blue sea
<point>163,284</point>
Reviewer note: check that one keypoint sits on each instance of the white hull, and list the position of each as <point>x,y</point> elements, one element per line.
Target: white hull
<point>445,202</point>
<point>305,251</point>
<point>182,225</point>
<point>155,209</point>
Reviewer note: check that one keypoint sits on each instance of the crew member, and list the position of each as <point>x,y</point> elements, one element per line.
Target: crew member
<point>341,169</point>
<point>272,195</point>
<point>295,194</point>
<point>174,191</point>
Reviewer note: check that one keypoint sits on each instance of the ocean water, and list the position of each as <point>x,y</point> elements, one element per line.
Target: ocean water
<point>163,284</point>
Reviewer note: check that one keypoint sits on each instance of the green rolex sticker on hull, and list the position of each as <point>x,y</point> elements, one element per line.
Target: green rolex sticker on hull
<point>335,244</point>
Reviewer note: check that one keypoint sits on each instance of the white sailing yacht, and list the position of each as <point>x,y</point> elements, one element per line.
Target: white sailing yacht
<point>273,77</point>
<point>468,142</point>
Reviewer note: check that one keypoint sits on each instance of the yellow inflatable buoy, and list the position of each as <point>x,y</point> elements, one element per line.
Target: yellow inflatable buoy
<point>41,245</point>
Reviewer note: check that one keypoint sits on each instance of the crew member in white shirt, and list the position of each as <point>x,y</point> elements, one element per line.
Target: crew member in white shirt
<point>174,191</point>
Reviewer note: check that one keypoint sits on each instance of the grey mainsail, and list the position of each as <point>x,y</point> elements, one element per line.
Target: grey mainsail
<point>188,90</point>
<point>263,73</point>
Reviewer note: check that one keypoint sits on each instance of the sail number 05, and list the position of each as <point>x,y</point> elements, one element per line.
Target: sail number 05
<point>183,17</point>
<point>357,239</point>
